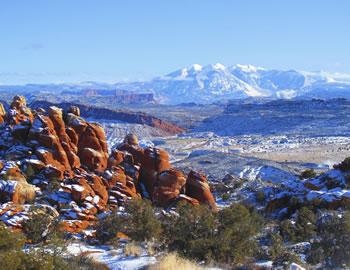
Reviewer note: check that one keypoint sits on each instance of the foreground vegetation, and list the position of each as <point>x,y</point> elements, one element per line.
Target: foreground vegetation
<point>235,236</point>
<point>28,251</point>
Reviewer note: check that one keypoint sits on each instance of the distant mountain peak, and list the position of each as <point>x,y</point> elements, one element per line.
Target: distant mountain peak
<point>218,66</point>
<point>248,68</point>
<point>214,82</point>
<point>196,67</point>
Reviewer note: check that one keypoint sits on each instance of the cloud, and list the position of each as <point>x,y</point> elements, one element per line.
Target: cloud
<point>32,47</point>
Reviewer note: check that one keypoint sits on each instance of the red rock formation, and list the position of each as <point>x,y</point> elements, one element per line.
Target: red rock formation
<point>74,226</point>
<point>153,162</point>
<point>74,110</point>
<point>115,159</point>
<point>135,150</point>
<point>98,186</point>
<point>19,112</point>
<point>81,190</point>
<point>197,187</point>
<point>115,175</point>
<point>2,113</point>
<point>187,199</point>
<point>91,142</point>
<point>16,192</point>
<point>69,147</point>
<point>51,145</point>
<point>50,150</point>
<point>168,187</point>
<point>10,171</point>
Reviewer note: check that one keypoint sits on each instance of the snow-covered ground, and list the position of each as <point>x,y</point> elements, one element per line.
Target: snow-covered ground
<point>320,152</point>
<point>268,163</point>
<point>114,258</point>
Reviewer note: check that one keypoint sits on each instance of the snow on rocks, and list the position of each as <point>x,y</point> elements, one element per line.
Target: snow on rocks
<point>66,160</point>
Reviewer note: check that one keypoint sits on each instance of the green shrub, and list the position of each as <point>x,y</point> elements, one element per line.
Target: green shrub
<point>239,183</point>
<point>191,232</point>
<point>305,227</point>
<point>41,260</point>
<point>277,248</point>
<point>309,173</point>
<point>285,260</point>
<point>280,256</point>
<point>287,230</point>
<point>13,257</point>
<point>226,237</point>
<point>260,196</point>
<point>50,255</point>
<point>332,183</point>
<point>237,228</point>
<point>334,240</point>
<point>108,227</point>
<point>10,240</point>
<point>225,196</point>
<point>141,222</point>
<point>344,165</point>
<point>40,226</point>
<point>84,262</point>
<point>316,254</point>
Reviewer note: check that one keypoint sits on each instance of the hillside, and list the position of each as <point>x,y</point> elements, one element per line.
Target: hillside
<point>122,116</point>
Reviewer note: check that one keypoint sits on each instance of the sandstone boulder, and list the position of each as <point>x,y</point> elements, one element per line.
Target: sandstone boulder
<point>131,139</point>
<point>153,162</point>
<point>136,152</point>
<point>11,171</point>
<point>49,150</point>
<point>115,158</point>
<point>74,110</point>
<point>115,175</point>
<point>100,189</point>
<point>81,190</point>
<point>74,226</point>
<point>16,192</point>
<point>90,141</point>
<point>19,112</point>
<point>2,113</point>
<point>168,187</point>
<point>198,188</point>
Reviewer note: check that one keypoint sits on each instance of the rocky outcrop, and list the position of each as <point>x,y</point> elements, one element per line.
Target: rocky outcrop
<point>2,113</point>
<point>153,162</point>
<point>55,156</point>
<point>52,144</point>
<point>197,187</point>
<point>168,187</point>
<point>90,141</point>
<point>16,192</point>
<point>115,158</point>
<point>19,112</point>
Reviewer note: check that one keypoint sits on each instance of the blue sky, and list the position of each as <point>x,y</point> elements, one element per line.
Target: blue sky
<point>76,40</point>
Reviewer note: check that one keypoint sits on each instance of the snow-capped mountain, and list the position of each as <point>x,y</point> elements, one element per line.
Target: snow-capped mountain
<point>205,84</point>
<point>211,83</point>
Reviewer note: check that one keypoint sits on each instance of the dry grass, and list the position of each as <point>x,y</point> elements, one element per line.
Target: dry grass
<point>150,247</point>
<point>86,262</point>
<point>173,261</point>
<point>132,249</point>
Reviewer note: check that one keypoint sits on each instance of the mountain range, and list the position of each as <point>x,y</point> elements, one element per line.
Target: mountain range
<point>206,84</point>
<point>215,82</point>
